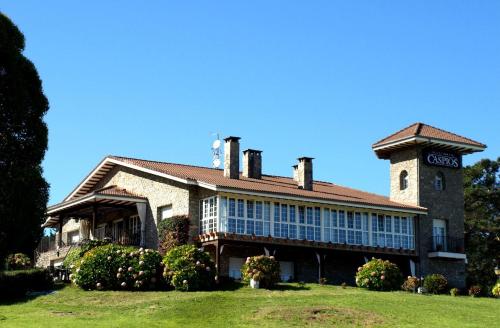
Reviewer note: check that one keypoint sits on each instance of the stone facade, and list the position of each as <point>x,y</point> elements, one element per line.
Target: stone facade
<point>447,204</point>
<point>159,191</point>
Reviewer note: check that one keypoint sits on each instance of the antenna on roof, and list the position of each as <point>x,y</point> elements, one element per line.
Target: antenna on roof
<point>216,151</point>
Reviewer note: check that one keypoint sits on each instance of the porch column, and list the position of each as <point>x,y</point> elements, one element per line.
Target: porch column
<point>92,225</point>
<point>59,237</point>
<point>142,212</point>
<point>320,257</point>
<point>85,228</point>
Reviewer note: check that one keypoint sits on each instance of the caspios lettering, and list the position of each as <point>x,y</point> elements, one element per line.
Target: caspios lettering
<point>442,159</point>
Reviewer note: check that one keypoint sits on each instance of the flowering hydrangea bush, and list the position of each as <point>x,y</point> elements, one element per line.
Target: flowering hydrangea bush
<point>76,253</point>
<point>495,291</point>
<point>114,267</point>
<point>435,283</point>
<point>475,290</point>
<point>187,268</point>
<point>378,274</point>
<point>264,269</point>
<point>18,261</point>
<point>411,284</point>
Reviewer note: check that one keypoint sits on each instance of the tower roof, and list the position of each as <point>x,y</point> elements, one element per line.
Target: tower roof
<point>423,134</point>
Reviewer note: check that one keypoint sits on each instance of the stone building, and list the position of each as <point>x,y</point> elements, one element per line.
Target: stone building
<point>314,228</point>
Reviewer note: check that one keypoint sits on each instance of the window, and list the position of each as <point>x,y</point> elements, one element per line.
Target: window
<point>208,215</point>
<point>166,212</point>
<point>439,181</point>
<point>403,180</point>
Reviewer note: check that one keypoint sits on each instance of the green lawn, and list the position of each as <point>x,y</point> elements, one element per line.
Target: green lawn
<point>314,306</point>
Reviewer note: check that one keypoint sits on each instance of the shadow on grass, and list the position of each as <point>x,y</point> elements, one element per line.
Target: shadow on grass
<point>14,299</point>
<point>284,287</point>
<point>230,286</point>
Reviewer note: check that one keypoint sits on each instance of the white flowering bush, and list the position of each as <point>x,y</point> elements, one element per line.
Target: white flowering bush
<point>378,274</point>
<point>186,268</point>
<point>115,267</point>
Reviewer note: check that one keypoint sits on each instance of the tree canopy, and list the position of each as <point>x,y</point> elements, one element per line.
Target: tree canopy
<point>482,220</point>
<point>23,142</point>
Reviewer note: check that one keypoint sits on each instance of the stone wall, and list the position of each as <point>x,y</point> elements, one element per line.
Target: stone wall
<point>405,160</point>
<point>46,259</point>
<point>159,192</point>
<point>447,204</point>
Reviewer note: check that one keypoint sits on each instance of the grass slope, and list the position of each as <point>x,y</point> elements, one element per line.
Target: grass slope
<point>314,306</point>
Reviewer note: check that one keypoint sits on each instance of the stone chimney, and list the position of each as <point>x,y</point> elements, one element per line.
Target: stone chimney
<point>305,173</point>
<point>252,163</point>
<point>295,172</point>
<point>232,157</point>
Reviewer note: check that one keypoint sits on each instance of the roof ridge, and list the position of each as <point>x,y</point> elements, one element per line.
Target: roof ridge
<point>456,135</point>
<point>161,162</point>
<point>392,135</point>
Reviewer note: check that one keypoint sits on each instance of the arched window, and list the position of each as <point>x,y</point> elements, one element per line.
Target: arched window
<point>439,182</point>
<point>403,180</point>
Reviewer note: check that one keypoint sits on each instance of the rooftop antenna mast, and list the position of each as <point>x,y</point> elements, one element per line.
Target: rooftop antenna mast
<point>216,152</point>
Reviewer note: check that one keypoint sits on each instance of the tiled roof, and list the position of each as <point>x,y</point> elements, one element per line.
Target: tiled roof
<point>424,130</point>
<point>116,191</point>
<point>268,184</point>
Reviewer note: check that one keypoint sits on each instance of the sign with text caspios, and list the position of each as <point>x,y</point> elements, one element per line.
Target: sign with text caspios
<point>443,159</point>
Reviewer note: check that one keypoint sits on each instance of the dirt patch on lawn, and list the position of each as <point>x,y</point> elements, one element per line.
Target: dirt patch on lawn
<point>320,316</point>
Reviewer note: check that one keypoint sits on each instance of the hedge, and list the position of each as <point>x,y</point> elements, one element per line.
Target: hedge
<point>18,283</point>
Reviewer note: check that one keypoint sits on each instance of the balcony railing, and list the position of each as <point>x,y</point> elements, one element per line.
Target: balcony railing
<point>447,244</point>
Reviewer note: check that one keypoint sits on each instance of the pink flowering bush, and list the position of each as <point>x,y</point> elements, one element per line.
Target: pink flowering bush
<point>115,267</point>
<point>18,261</point>
<point>186,268</point>
<point>264,269</point>
<point>411,284</point>
<point>378,274</point>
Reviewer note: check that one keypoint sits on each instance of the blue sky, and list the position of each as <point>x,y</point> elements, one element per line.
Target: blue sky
<point>154,79</point>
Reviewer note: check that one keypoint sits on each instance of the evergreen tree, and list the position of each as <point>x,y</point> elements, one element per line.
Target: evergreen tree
<point>23,142</point>
<point>482,221</point>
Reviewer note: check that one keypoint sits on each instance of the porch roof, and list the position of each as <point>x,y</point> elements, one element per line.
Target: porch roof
<point>111,196</point>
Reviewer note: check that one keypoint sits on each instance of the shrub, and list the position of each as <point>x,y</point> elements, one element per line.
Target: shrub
<point>264,269</point>
<point>76,253</point>
<point>454,292</point>
<point>411,284</point>
<point>17,283</point>
<point>475,290</point>
<point>113,267</point>
<point>188,269</point>
<point>435,283</point>
<point>18,261</point>
<point>378,274</point>
<point>72,257</point>
<point>495,291</point>
<point>173,232</point>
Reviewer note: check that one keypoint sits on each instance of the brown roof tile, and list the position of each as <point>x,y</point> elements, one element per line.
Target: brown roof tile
<point>424,130</point>
<point>268,184</point>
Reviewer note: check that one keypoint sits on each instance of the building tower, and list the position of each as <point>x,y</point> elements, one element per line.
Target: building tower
<point>426,170</point>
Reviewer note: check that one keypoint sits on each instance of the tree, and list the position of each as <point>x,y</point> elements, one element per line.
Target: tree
<point>23,142</point>
<point>482,221</point>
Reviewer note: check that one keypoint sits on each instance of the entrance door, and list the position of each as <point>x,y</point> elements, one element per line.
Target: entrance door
<point>235,264</point>
<point>118,229</point>
<point>286,269</point>
<point>439,235</point>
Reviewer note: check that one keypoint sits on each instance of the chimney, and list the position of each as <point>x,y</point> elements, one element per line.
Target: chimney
<point>305,173</point>
<point>232,157</point>
<point>252,163</point>
<point>295,173</point>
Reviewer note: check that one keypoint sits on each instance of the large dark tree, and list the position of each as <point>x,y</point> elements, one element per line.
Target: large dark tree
<point>482,221</point>
<point>23,142</point>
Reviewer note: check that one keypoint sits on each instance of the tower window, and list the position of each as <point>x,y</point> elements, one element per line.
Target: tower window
<point>403,180</point>
<point>439,181</point>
